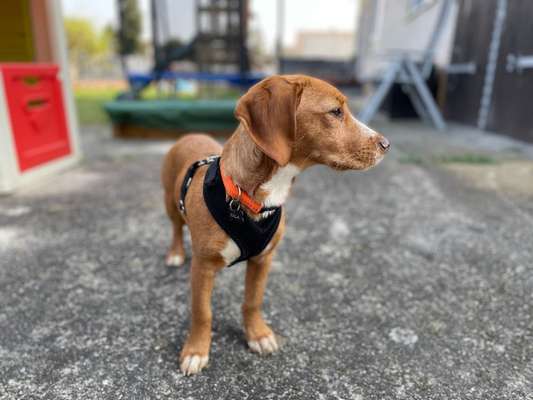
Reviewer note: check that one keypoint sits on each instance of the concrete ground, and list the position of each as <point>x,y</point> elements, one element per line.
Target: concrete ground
<point>410,281</point>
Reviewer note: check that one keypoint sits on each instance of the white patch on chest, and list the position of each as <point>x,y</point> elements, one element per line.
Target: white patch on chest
<point>230,252</point>
<point>279,185</point>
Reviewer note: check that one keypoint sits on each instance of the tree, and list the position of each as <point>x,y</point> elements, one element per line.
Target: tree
<point>107,40</point>
<point>81,37</point>
<point>82,42</point>
<point>130,29</point>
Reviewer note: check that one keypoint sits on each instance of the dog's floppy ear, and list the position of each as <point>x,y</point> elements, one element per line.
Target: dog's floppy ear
<point>268,113</point>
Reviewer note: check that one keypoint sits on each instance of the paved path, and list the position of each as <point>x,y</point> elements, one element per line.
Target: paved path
<point>405,282</point>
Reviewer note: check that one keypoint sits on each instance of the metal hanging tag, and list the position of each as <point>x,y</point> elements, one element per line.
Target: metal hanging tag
<point>235,210</point>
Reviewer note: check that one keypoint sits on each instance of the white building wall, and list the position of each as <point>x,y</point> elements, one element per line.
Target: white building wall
<point>8,162</point>
<point>391,27</point>
<point>326,45</point>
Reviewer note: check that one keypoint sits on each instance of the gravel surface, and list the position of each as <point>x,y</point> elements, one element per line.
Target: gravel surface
<point>403,282</point>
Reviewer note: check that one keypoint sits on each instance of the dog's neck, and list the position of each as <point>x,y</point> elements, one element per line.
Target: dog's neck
<point>256,173</point>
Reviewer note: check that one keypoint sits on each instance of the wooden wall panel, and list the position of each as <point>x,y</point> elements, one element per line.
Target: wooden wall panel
<point>472,39</point>
<point>511,111</point>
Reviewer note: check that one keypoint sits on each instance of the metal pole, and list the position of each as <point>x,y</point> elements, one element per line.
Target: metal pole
<point>244,63</point>
<point>435,37</point>
<point>155,34</point>
<point>425,94</point>
<point>492,64</point>
<point>372,105</point>
<point>280,28</point>
<point>123,64</point>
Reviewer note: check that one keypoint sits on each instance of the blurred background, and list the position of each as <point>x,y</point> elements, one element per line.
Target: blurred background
<point>412,280</point>
<point>119,59</point>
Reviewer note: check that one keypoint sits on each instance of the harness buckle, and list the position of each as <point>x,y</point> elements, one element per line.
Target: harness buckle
<point>207,160</point>
<point>235,210</point>
<point>234,205</point>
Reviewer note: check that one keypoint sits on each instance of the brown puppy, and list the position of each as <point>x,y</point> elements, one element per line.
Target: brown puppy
<point>287,123</point>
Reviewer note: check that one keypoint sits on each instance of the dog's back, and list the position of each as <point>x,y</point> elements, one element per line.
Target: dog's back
<point>188,149</point>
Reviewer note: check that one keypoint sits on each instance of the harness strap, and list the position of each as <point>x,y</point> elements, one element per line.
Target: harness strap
<point>233,191</point>
<point>187,180</point>
<point>250,235</point>
<point>236,193</point>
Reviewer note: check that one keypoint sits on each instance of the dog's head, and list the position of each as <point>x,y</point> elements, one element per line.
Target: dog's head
<point>302,120</point>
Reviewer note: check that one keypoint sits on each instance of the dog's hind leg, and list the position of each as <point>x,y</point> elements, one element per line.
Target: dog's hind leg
<point>176,253</point>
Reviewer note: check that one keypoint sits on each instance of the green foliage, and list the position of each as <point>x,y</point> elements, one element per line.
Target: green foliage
<point>465,158</point>
<point>107,40</point>
<point>468,158</point>
<point>89,104</point>
<point>411,159</point>
<point>82,39</point>
<point>172,45</point>
<point>130,27</point>
<point>85,44</point>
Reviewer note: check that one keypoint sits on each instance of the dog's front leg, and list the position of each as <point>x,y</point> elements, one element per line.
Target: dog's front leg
<point>260,337</point>
<point>195,354</point>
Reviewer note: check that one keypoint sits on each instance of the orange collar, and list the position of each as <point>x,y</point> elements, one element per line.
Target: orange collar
<point>236,193</point>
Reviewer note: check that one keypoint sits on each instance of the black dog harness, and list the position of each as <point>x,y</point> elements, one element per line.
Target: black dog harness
<point>251,236</point>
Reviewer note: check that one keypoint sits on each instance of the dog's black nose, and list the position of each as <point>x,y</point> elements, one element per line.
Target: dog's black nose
<point>384,144</point>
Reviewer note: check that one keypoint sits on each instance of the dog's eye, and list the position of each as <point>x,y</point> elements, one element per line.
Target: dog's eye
<point>336,112</point>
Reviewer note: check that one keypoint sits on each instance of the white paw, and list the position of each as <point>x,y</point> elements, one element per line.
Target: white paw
<point>265,345</point>
<point>174,260</point>
<point>193,364</point>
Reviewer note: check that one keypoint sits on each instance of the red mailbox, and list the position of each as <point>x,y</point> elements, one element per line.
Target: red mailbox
<point>35,106</point>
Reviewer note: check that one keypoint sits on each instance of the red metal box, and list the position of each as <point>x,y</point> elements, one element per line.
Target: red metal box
<point>36,109</point>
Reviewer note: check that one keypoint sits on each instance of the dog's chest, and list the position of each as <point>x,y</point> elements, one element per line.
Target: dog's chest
<point>278,188</point>
<point>279,185</point>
